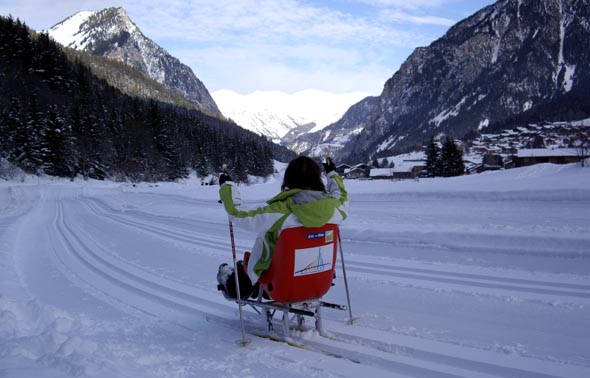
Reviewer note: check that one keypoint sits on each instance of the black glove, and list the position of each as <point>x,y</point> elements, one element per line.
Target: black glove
<point>329,165</point>
<point>223,178</point>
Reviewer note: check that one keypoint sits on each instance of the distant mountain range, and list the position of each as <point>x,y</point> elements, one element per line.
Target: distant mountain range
<point>111,33</point>
<point>280,116</point>
<point>511,63</point>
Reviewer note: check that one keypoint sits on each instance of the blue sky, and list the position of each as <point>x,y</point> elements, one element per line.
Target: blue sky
<point>287,45</point>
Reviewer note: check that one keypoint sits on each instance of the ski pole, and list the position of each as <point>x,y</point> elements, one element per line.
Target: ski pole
<point>244,341</point>
<point>345,279</point>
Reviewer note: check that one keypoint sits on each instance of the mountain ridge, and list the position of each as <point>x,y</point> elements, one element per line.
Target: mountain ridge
<point>509,58</point>
<point>111,33</point>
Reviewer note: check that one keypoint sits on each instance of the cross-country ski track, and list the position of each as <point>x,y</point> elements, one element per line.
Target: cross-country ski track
<point>422,312</point>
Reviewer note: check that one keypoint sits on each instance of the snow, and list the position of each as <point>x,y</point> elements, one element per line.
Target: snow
<point>539,152</point>
<point>568,79</point>
<point>376,172</point>
<point>446,114</point>
<point>483,124</point>
<point>68,32</point>
<point>476,276</point>
<point>496,51</point>
<point>275,113</point>
<point>581,123</point>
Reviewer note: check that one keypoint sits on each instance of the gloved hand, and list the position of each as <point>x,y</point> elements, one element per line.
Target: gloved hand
<point>329,165</point>
<point>223,178</point>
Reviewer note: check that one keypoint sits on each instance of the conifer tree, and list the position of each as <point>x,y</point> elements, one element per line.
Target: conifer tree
<point>433,159</point>
<point>452,159</point>
<point>61,155</point>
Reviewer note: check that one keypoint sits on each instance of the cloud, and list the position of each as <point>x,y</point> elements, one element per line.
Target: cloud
<point>406,4</point>
<point>281,44</point>
<point>279,21</point>
<point>42,14</point>
<point>399,16</point>
<point>289,69</point>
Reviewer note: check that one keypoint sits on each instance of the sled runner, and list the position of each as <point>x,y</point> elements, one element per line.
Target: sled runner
<point>301,273</point>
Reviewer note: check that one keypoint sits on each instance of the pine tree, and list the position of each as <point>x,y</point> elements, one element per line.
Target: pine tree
<point>61,155</point>
<point>452,159</point>
<point>24,133</point>
<point>433,159</point>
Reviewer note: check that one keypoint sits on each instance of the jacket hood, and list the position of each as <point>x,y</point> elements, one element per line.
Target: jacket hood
<point>312,208</point>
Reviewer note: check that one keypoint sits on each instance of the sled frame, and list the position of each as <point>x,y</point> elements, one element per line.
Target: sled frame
<point>295,313</point>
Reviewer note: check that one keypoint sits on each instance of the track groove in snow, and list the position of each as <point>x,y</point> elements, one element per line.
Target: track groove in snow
<point>485,290</point>
<point>472,282</point>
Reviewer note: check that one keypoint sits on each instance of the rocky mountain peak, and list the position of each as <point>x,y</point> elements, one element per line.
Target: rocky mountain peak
<point>111,33</point>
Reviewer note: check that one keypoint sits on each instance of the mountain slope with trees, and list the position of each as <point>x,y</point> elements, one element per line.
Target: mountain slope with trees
<point>57,117</point>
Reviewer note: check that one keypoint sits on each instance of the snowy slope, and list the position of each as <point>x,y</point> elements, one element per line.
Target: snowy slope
<point>70,33</point>
<point>476,276</point>
<point>275,113</point>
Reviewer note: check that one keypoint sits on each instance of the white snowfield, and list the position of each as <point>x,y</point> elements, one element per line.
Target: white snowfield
<point>478,276</point>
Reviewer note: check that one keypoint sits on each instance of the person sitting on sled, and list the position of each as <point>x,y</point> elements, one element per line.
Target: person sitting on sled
<point>304,201</point>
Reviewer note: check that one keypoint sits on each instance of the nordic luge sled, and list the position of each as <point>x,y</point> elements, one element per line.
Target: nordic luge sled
<point>300,274</point>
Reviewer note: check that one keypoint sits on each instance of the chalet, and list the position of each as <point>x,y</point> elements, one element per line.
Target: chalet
<point>381,173</point>
<point>404,171</point>
<point>545,155</point>
<point>342,168</point>
<point>358,171</point>
<point>492,162</point>
<point>407,169</point>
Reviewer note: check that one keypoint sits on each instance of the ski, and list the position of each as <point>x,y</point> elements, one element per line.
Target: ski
<point>303,346</point>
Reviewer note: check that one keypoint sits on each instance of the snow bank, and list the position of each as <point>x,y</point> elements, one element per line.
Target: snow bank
<point>32,334</point>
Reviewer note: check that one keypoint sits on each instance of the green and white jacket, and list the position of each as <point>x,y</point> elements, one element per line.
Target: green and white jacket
<point>291,208</point>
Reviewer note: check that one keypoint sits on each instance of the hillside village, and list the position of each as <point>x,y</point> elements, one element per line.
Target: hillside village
<point>557,143</point>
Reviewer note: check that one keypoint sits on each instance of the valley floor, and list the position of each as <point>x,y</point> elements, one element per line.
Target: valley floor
<point>476,276</point>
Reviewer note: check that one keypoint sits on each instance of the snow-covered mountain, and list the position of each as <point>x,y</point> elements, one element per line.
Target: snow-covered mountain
<point>275,114</point>
<point>111,33</point>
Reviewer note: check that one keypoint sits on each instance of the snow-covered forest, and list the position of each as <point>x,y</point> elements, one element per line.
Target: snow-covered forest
<point>58,118</point>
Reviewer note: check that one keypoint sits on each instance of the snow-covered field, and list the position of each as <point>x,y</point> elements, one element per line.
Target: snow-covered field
<point>477,276</point>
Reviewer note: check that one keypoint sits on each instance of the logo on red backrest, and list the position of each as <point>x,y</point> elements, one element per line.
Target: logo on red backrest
<point>328,235</point>
<point>315,235</point>
<point>312,260</point>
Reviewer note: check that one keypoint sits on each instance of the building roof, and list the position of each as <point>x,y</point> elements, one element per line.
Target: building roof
<point>547,152</point>
<point>377,172</point>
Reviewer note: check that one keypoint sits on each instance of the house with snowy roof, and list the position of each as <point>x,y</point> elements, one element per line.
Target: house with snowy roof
<point>381,173</point>
<point>358,171</point>
<point>533,156</point>
<point>406,169</point>
<point>340,169</point>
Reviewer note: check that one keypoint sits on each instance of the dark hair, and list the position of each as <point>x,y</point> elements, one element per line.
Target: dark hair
<point>303,173</point>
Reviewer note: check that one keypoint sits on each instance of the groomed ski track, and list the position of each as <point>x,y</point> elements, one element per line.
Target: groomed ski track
<point>138,253</point>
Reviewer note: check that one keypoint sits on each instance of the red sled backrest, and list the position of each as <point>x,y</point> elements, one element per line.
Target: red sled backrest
<point>303,263</point>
